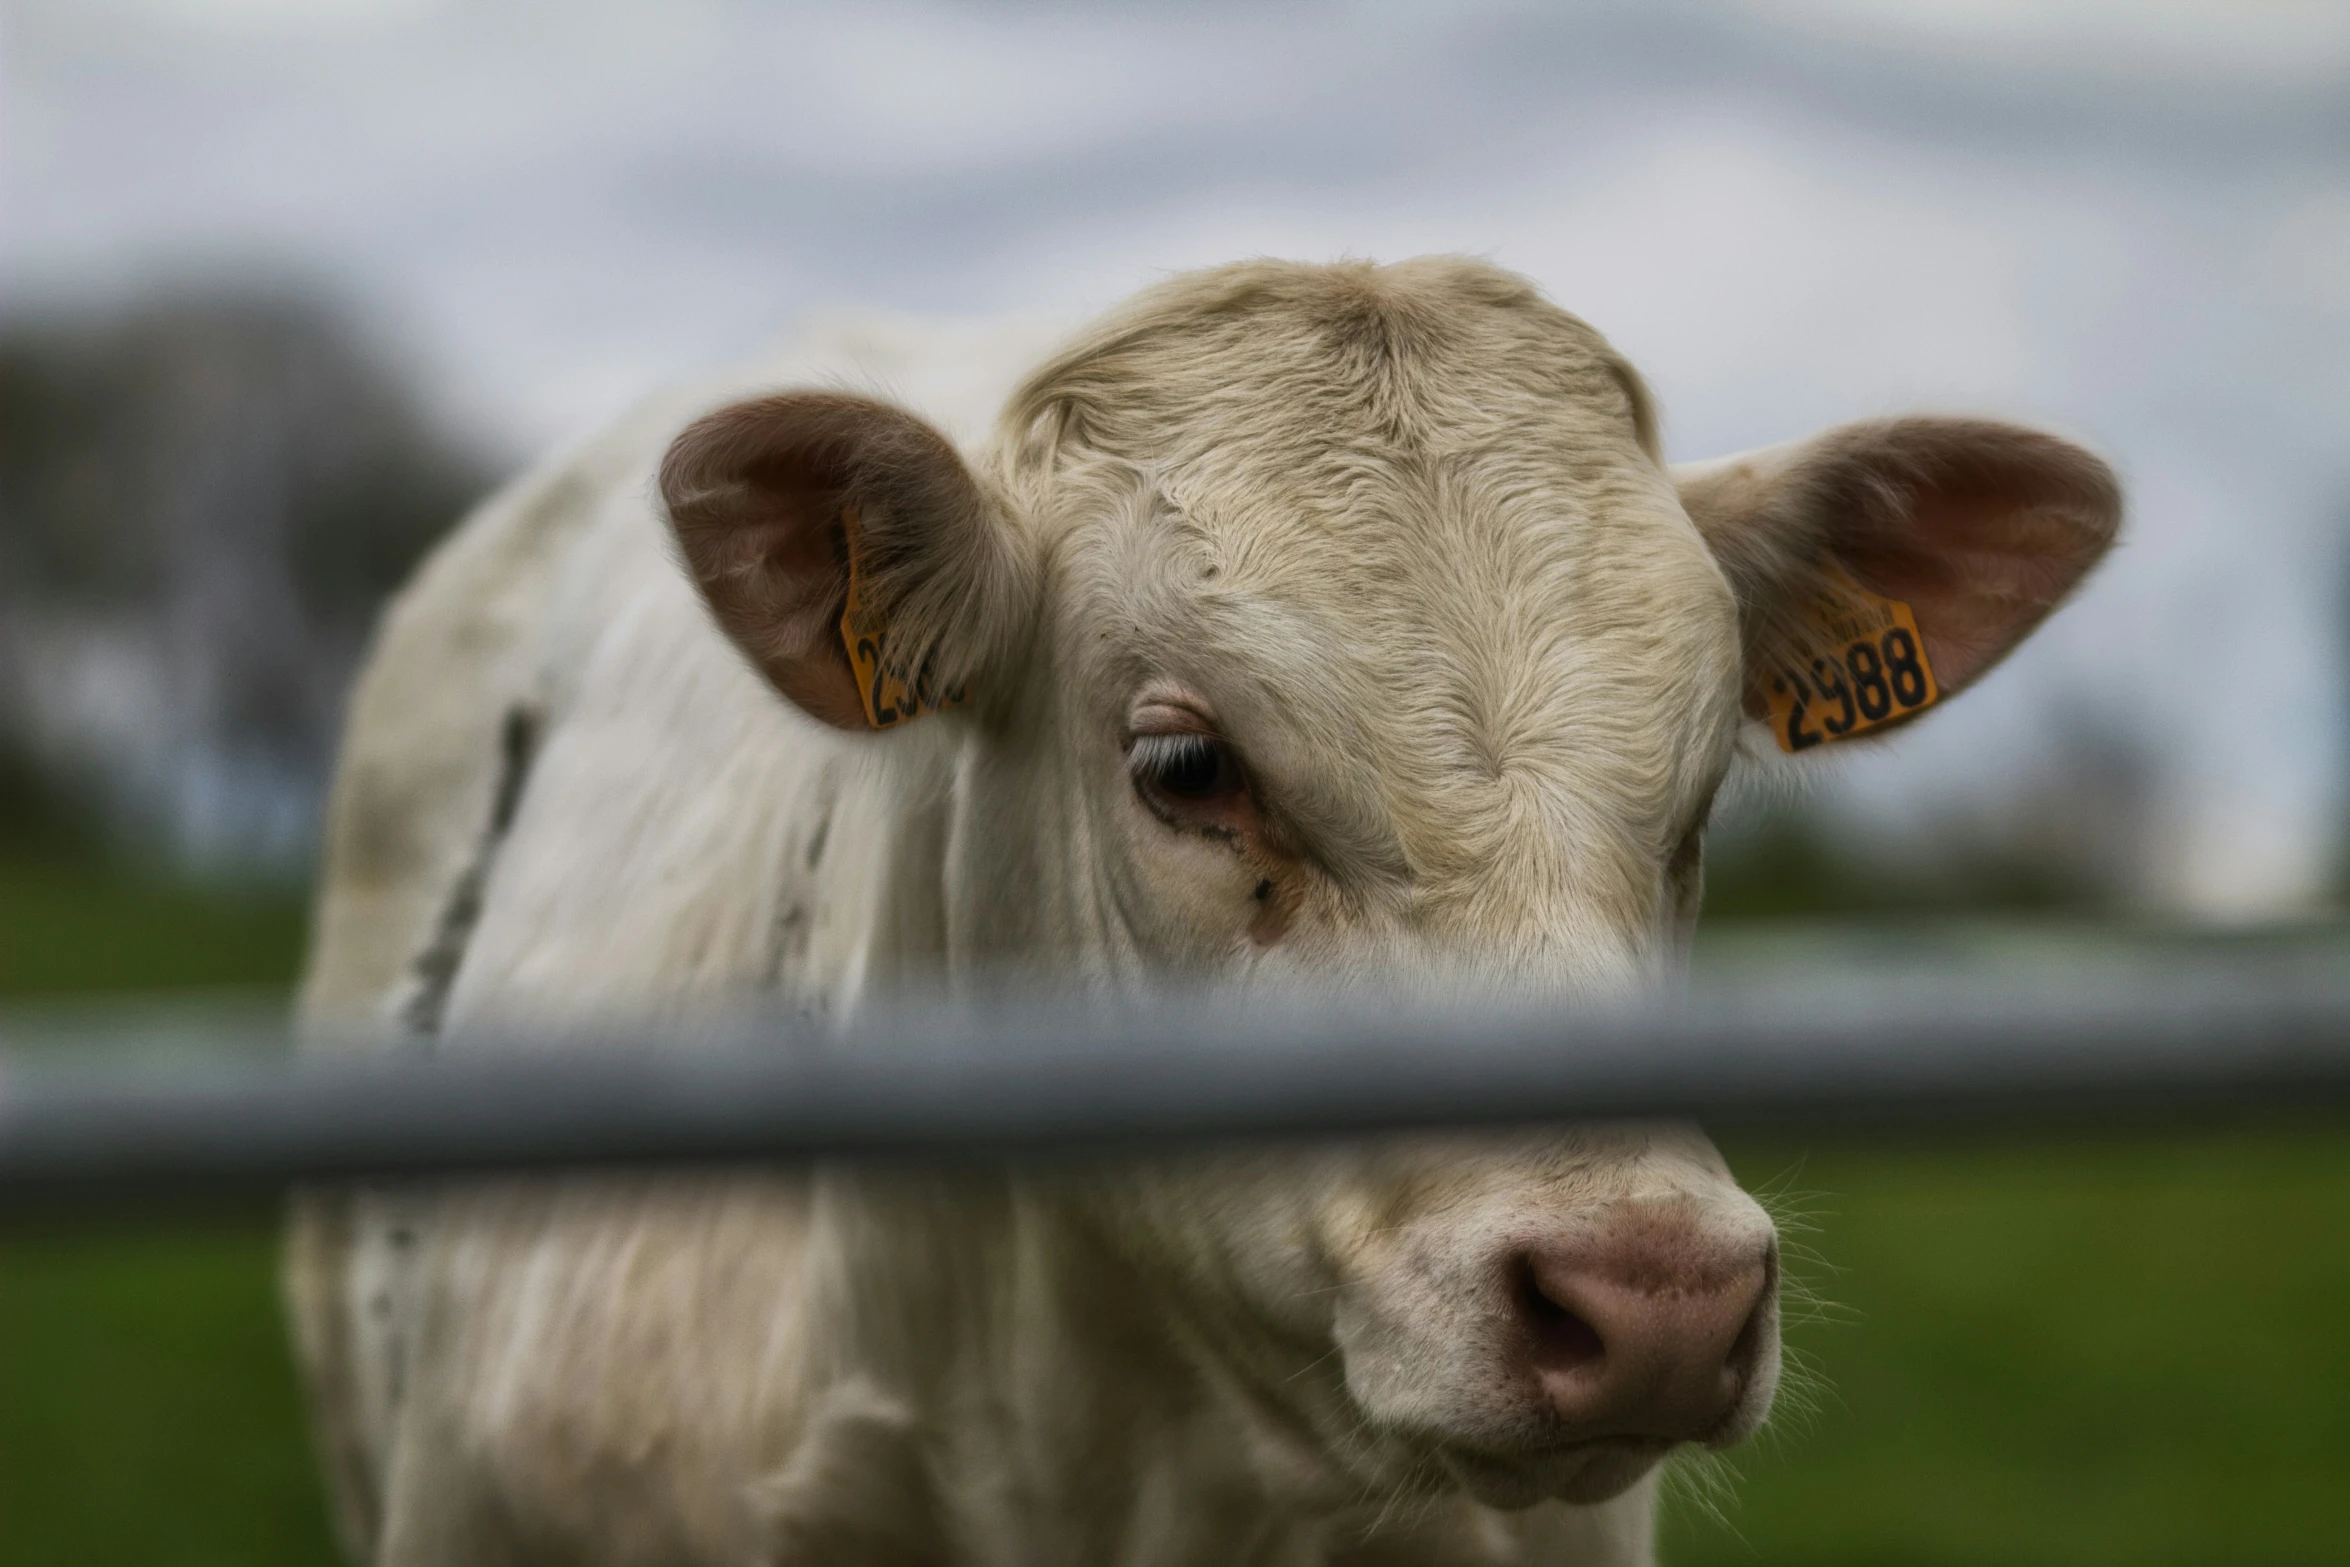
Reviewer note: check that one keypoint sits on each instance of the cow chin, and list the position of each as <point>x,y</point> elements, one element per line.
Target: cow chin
<point>1583,1474</point>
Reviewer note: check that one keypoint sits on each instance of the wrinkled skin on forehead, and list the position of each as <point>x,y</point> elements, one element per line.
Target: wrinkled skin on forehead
<point>1419,565</point>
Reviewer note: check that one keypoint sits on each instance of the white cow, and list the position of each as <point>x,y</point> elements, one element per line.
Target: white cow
<point>1293,622</point>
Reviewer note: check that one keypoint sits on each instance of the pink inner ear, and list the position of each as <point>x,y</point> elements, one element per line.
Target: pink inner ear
<point>759,493</point>
<point>1981,538</point>
<point>797,556</point>
<point>755,495</point>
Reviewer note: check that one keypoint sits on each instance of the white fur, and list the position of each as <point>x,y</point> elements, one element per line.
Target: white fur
<point>1405,532</point>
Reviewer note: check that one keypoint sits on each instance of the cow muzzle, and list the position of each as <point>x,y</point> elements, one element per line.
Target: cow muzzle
<point>1651,1329</point>
<point>1564,1360</point>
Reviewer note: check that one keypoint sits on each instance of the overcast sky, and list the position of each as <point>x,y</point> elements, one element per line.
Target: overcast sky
<point>2129,219</point>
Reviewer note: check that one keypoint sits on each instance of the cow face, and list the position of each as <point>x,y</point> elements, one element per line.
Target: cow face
<point>1314,622</point>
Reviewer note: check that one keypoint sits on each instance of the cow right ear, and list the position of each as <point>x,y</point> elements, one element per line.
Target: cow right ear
<point>847,549</point>
<point>1881,567</point>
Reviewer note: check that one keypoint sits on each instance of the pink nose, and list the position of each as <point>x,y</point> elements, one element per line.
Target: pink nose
<point>1650,1327</point>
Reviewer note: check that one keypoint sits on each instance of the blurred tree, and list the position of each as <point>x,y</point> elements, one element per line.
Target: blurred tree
<point>1786,864</point>
<point>2075,838</point>
<point>203,499</point>
<point>38,820</point>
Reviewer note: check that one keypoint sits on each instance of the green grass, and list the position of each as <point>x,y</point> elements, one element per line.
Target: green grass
<point>2111,1352</point>
<point>148,1412</point>
<point>67,927</point>
<point>2040,1355</point>
<point>147,1409</point>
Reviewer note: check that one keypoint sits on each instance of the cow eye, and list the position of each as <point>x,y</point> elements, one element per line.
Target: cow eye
<point>1188,768</point>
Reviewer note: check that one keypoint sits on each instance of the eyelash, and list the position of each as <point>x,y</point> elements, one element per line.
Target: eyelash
<point>1184,769</point>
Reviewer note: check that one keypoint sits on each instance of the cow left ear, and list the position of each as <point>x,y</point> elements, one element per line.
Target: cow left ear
<point>847,549</point>
<point>1883,566</point>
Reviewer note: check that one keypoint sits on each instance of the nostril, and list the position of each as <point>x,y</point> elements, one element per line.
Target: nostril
<point>1746,1348</point>
<point>1650,1339</point>
<point>1562,1339</point>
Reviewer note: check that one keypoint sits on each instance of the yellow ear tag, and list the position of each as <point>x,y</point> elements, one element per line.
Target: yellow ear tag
<point>1859,665</point>
<point>890,698</point>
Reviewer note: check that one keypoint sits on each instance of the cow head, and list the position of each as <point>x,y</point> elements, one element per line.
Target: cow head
<point>1344,621</point>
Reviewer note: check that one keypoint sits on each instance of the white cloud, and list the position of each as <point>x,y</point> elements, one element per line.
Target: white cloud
<point>2265,41</point>
<point>2309,249</point>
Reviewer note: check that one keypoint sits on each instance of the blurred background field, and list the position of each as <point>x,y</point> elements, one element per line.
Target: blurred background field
<point>286,283</point>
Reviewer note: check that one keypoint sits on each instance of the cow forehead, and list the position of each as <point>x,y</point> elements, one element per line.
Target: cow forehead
<point>1411,522</point>
<point>1521,669</point>
<point>1303,376</point>
<point>1505,581</point>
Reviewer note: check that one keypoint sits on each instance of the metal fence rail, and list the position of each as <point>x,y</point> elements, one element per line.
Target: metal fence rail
<point>2191,1041</point>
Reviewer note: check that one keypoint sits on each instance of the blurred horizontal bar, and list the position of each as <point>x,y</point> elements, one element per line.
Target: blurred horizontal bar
<point>2196,1041</point>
